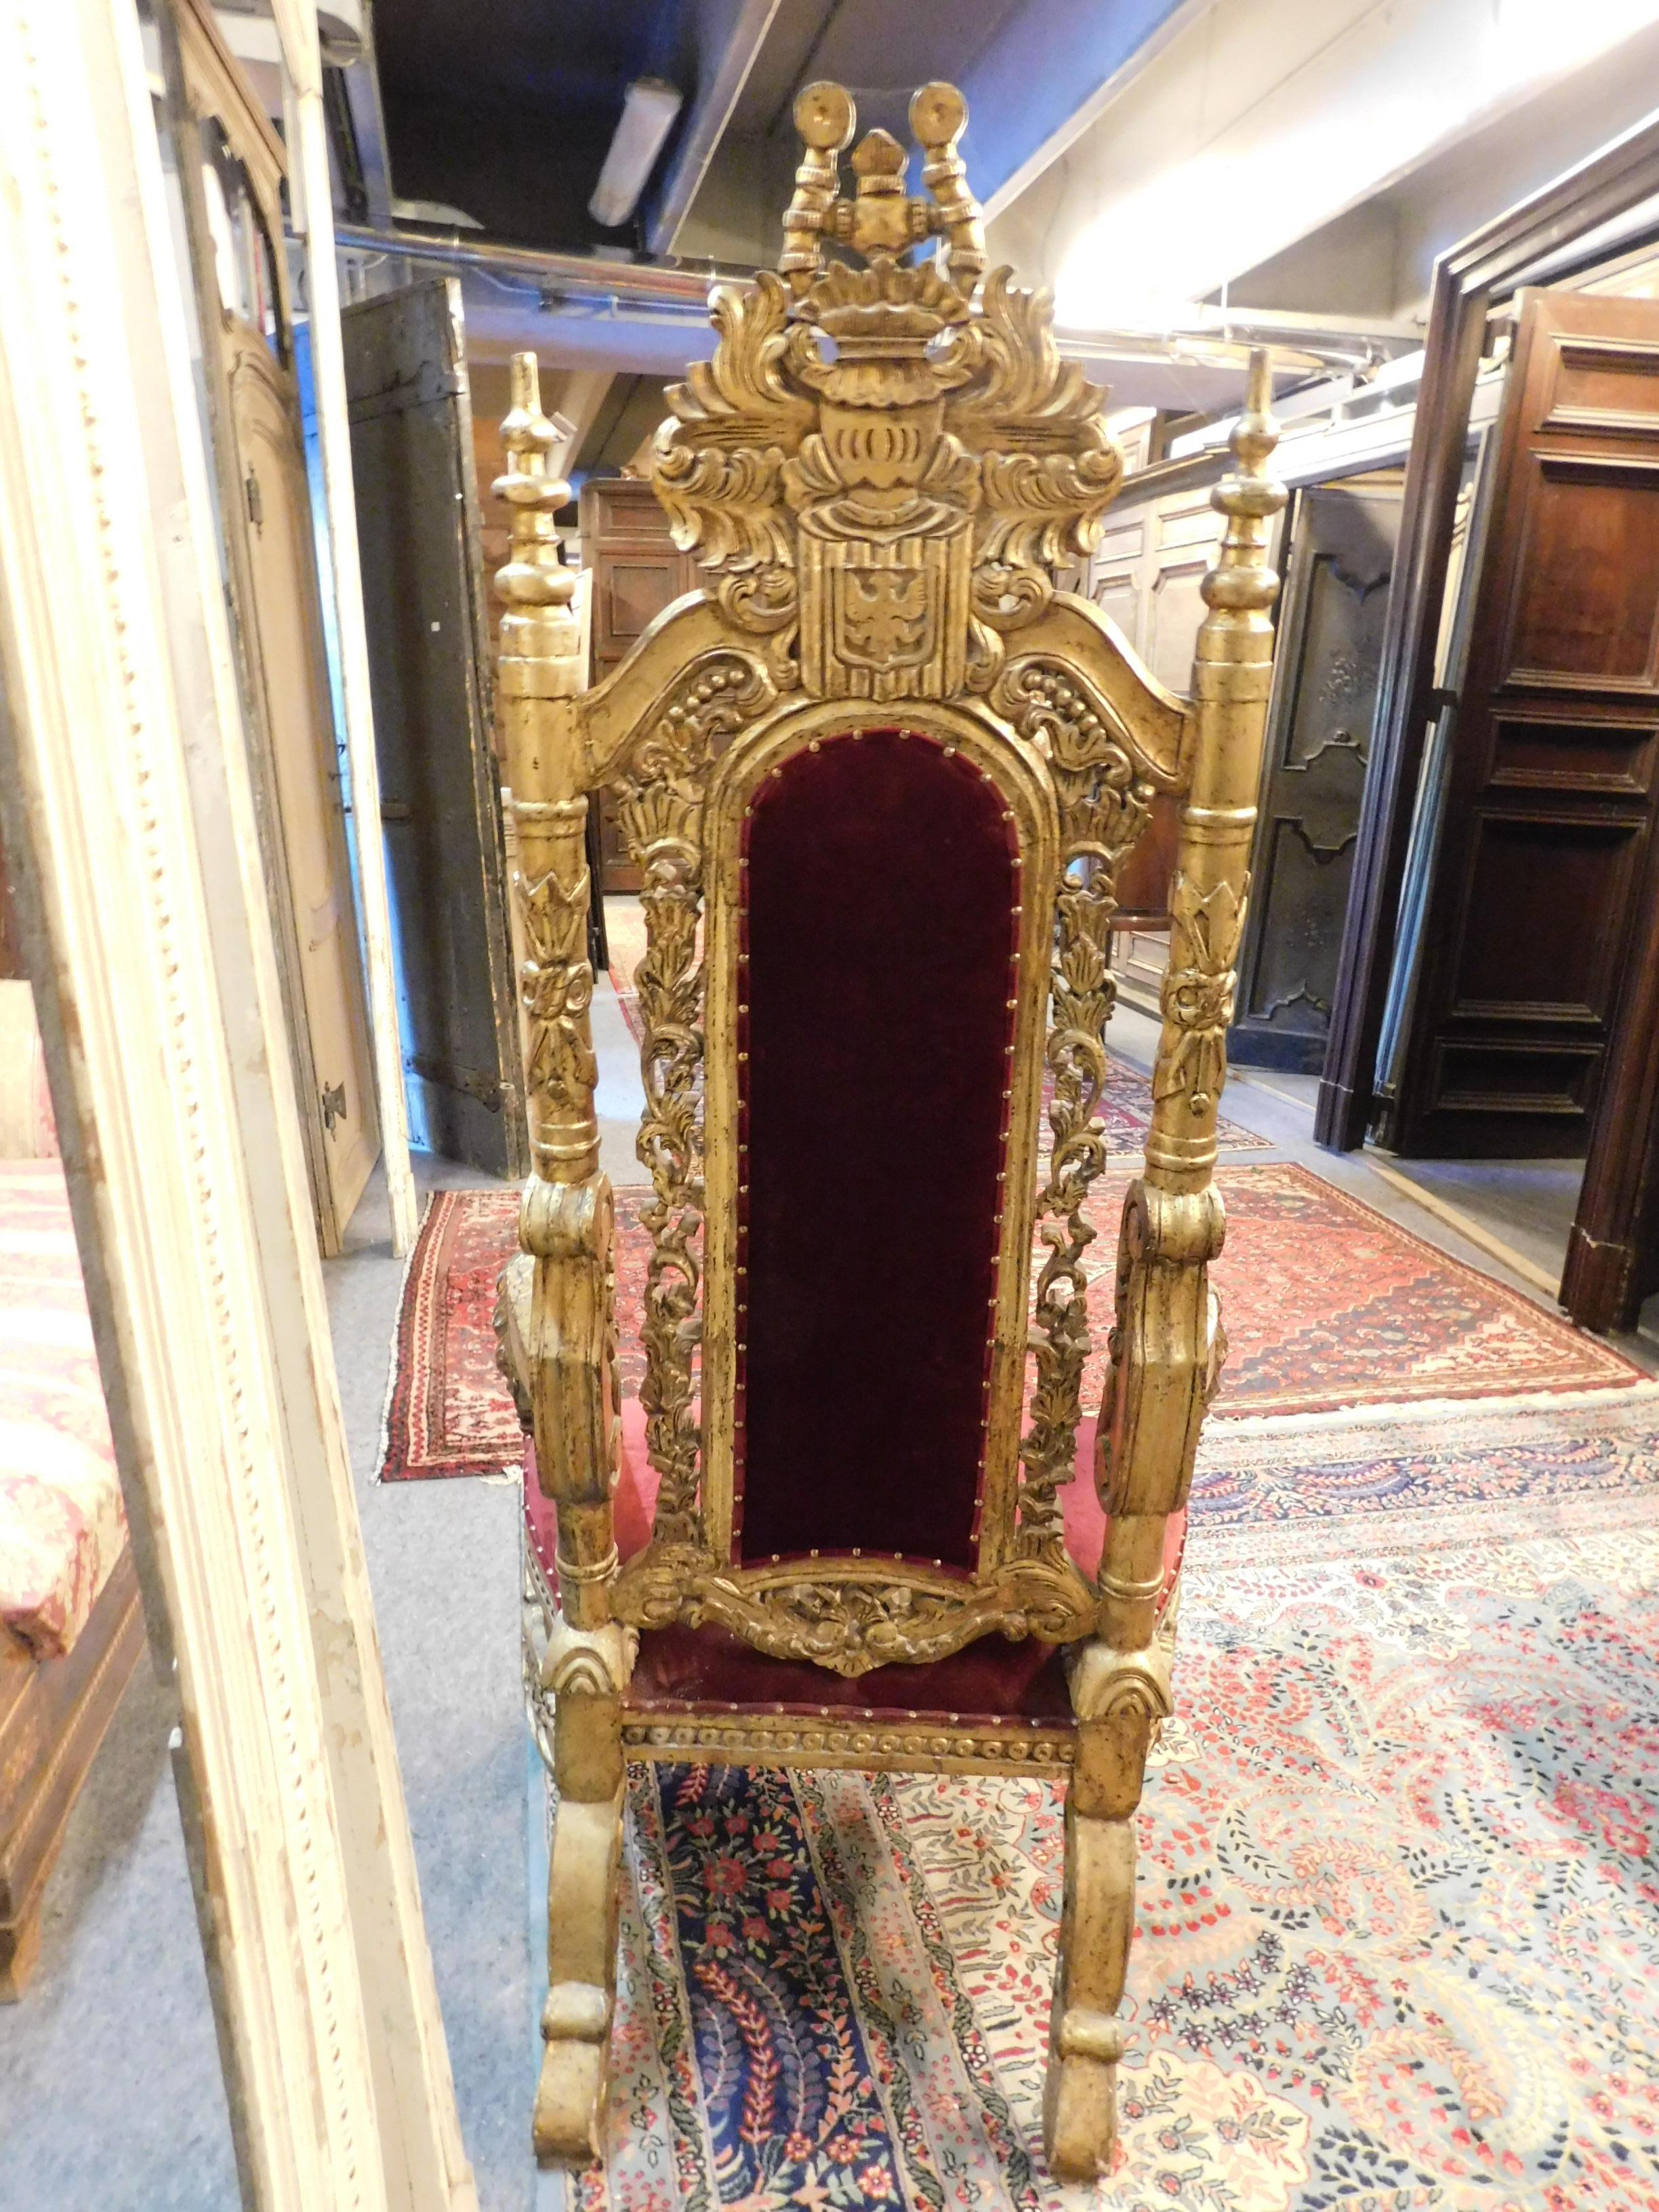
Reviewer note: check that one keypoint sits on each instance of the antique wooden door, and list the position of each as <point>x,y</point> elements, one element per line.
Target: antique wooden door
<point>418,530</point>
<point>283,626</point>
<point>1342,543</point>
<point>1549,810</point>
<point>231,169</point>
<point>637,572</point>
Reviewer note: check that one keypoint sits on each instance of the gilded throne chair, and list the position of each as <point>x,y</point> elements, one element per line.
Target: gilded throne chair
<point>879,775</point>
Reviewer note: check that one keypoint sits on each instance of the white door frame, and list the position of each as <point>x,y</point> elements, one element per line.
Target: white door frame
<point>129,824</point>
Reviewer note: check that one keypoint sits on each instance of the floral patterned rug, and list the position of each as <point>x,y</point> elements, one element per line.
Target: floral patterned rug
<point>1329,1306</point>
<point>1398,1940</point>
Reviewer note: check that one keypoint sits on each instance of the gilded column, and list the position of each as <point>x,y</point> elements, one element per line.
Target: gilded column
<point>566,1226</point>
<point>1167,1344</point>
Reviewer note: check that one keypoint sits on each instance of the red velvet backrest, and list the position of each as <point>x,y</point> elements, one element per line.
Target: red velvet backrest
<point>878,930</point>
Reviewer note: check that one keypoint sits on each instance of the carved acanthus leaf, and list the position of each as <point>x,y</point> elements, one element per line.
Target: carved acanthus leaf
<point>735,421</point>
<point>556,985</point>
<point>1197,992</point>
<point>1049,467</point>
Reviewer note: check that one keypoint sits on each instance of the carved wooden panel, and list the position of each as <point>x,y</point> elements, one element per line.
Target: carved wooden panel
<point>1549,803</point>
<point>1604,384</point>
<point>230,174</point>
<point>1586,615</point>
<point>281,629</point>
<point>1546,904</point>
<point>1539,751</point>
<point>1341,557</point>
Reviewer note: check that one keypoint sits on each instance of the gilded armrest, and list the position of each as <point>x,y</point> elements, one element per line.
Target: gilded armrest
<point>1167,1344</point>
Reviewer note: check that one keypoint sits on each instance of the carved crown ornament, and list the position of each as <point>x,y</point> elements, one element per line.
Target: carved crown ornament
<point>882,462</point>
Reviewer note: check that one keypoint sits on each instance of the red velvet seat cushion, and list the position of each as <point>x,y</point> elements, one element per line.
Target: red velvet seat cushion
<point>707,1667</point>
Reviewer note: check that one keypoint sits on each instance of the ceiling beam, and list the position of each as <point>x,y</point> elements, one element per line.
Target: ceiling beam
<point>1046,76</point>
<point>729,37</point>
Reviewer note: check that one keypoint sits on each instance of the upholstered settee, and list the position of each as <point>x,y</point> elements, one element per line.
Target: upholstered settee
<point>70,1628</point>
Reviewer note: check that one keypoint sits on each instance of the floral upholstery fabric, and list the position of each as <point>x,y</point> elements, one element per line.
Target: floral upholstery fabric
<point>61,1526</point>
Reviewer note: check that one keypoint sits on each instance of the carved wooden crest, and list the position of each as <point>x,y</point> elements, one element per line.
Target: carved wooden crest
<point>882,464</point>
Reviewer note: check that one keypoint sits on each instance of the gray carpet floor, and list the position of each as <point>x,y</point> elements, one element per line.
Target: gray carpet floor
<point>110,2099</point>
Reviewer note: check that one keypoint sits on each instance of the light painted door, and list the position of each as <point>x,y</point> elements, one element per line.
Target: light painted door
<point>283,637</point>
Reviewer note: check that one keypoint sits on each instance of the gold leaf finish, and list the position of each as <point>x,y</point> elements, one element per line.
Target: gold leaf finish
<point>1104,802</point>
<point>879,469</point>
<point>900,495</point>
<point>659,801</point>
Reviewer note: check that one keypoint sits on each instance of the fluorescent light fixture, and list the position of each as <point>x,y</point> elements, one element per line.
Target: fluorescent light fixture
<point>648,111</point>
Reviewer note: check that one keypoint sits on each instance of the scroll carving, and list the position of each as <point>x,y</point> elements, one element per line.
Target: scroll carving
<point>1104,802</point>
<point>1196,997</point>
<point>850,1619</point>
<point>659,801</point>
<point>556,982</point>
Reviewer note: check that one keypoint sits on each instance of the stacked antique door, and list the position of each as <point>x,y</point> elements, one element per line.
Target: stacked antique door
<point>418,528</point>
<point>231,169</point>
<point>1540,881</point>
<point>1330,628</point>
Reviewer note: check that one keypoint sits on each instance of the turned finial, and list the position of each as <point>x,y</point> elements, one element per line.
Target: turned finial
<point>1249,496</point>
<point>939,116</point>
<point>826,120</point>
<point>534,574</point>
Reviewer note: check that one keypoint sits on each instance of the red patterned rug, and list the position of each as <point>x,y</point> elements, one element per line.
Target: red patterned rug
<point>1328,1306</point>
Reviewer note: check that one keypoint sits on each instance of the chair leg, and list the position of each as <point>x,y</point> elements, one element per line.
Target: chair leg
<point>585,1671</point>
<point>20,1946</point>
<point>1097,1918</point>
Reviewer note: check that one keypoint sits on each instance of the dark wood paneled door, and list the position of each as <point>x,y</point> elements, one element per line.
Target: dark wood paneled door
<point>637,571</point>
<point>418,529</point>
<point>1341,546</point>
<point>1535,894</point>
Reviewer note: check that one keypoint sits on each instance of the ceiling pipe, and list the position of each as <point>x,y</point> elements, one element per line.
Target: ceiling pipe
<point>582,275</point>
<point>1302,344</point>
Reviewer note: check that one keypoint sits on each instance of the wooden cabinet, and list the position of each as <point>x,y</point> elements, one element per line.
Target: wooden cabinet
<point>636,572</point>
<point>1537,893</point>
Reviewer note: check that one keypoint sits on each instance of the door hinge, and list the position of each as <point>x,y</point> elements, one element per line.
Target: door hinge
<point>256,511</point>
<point>334,1106</point>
